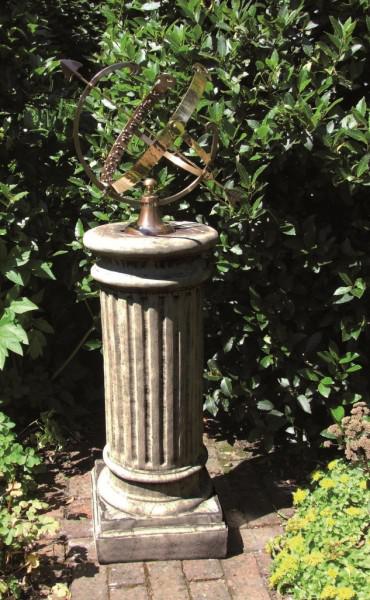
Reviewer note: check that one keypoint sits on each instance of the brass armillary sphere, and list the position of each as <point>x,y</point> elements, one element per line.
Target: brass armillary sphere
<point>158,147</point>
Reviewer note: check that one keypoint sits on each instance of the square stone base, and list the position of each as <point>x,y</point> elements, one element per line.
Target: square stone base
<point>121,537</point>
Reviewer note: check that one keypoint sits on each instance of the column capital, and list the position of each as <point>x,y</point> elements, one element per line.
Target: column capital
<point>187,239</point>
<point>151,263</point>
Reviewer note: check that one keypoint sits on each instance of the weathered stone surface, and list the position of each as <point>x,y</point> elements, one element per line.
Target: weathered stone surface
<point>155,385</point>
<point>163,544</point>
<point>210,590</point>
<point>152,343</point>
<point>111,519</point>
<point>188,239</point>
<point>202,534</point>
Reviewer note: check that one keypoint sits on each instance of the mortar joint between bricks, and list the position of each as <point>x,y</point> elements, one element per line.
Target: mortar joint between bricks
<point>148,584</point>
<point>186,580</point>
<point>106,570</point>
<point>225,579</point>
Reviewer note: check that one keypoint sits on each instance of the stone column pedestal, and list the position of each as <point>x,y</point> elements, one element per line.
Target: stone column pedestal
<point>153,498</point>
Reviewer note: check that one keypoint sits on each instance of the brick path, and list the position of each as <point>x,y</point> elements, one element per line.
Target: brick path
<point>254,507</point>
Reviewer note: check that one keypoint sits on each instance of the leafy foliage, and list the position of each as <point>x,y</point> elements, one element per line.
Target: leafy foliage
<point>38,265</point>
<point>21,521</point>
<point>288,319</point>
<point>324,552</point>
<point>289,298</point>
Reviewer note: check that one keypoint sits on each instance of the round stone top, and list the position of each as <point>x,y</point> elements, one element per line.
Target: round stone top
<point>112,240</point>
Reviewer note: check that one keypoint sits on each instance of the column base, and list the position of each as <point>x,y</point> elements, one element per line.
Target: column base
<point>121,537</point>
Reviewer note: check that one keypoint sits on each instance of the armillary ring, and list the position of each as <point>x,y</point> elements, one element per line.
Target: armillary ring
<point>158,147</point>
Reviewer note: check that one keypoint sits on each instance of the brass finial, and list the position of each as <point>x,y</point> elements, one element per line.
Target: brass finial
<point>149,221</point>
<point>150,184</point>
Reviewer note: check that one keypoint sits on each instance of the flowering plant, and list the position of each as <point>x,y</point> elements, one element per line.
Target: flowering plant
<point>325,550</point>
<point>353,434</point>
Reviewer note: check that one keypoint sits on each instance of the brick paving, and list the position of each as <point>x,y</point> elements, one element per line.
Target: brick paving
<point>254,507</point>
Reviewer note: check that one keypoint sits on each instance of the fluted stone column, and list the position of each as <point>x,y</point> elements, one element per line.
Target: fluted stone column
<point>153,497</point>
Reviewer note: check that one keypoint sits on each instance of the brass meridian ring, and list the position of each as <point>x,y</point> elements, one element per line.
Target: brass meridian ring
<point>163,83</point>
<point>134,68</point>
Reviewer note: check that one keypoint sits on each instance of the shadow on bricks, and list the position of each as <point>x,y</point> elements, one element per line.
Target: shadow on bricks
<point>240,491</point>
<point>254,494</point>
<point>81,566</point>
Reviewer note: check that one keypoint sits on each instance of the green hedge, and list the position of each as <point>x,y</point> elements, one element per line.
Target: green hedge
<point>287,318</point>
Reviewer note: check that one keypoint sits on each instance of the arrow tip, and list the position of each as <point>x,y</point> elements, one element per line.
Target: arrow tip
<point>70,68</point>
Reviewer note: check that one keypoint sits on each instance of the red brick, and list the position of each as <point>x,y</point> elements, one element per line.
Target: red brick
<point>280,492</point>
<point>55,550</point>
<point>52,535</point>
<point>60,479</point>
<point>92,586</point>
<point>255,540</point>
<point>234,542</point>
<point>254,508</point>
<point>287,513</point>
<point>250,542</point>
<point>264,563</point>
<point>209,590</point>
<point>126,574</point>
<point>80,508</point>
<point>80,486</point>
<point>244,579</point>
<point>81,550</point>
<point>196,570</point>
<point>139,592</point>
<point>267,520</point>
<point>227,497</point>
<point>74,528</point>
<point>235,518</point>
<point>167,581</point>
<point>56,513</point>
<point>244,478</point>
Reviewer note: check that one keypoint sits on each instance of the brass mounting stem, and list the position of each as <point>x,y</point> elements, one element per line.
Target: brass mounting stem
<point>149,221</point>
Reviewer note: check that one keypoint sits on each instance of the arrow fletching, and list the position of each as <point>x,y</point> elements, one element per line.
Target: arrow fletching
<point>70,68</point>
